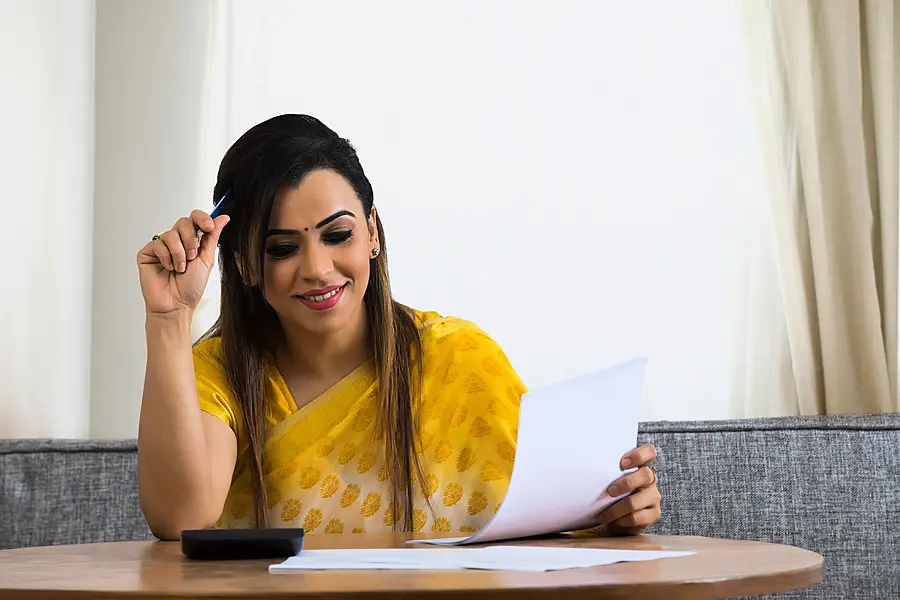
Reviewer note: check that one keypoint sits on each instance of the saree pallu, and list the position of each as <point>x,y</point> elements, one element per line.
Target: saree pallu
<point>324,468</point>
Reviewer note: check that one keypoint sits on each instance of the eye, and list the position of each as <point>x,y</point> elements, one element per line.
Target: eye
<point>281,250</point>
<point>337,237</point>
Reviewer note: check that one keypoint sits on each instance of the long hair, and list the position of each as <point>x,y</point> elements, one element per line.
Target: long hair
<point>276,153</point>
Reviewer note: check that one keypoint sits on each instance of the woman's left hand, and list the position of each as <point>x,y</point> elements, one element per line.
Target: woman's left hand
<point>638,506</point>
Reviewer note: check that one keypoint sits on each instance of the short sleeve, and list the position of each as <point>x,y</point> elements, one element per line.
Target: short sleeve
<point>471,397</point>
<point>212,384</point>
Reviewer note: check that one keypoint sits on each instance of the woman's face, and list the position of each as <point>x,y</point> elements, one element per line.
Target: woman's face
<point>318,248</point>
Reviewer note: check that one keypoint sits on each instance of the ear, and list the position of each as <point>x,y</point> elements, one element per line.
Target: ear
<point>374,242</point>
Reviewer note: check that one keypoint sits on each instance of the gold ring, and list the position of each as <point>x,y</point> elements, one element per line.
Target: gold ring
<point>157,236</point>
<point>655,476</point>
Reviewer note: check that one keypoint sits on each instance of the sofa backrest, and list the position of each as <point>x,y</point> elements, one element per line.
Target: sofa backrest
<point>69,492</point>
<point>827,484</point>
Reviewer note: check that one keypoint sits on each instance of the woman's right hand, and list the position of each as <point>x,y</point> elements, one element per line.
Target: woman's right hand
<point>175,267</point>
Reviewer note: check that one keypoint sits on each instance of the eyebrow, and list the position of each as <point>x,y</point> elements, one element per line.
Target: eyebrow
<point>319,225</point>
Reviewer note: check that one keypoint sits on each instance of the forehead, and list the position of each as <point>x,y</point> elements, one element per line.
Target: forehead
<point>319,195</point>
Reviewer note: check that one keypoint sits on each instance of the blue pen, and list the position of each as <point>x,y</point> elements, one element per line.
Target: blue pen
<point>217,210</point>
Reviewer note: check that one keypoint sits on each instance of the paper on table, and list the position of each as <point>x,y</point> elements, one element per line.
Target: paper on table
<point>506,558</point>
<point>572,436</point>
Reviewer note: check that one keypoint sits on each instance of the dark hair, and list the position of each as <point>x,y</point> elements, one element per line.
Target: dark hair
<point>276,153</point>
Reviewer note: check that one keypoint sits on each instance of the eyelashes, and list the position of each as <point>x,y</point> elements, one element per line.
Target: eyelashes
<point>285,249</point>
<point>281,250</point>
<point>337,237</point>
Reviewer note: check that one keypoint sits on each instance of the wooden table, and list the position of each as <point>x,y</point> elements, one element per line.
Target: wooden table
<point>721,568</point>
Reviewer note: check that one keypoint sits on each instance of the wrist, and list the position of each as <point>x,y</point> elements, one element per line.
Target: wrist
<point>175,322</point>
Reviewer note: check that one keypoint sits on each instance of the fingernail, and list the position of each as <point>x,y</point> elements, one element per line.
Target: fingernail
<point>626,462</point>
<point>614,490</point>
<point>181,267</point>
<point>192,254</point>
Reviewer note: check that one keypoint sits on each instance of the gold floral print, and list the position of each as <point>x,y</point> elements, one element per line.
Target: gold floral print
<point>347,453</point>
<point>329,486</point>
<point>351,493</point>
<point>309,477</point>
<point>465,460</point>
<point>440,525</point>
<point>371,504</point>
<point>490,471</point>
<point>459,415</point>
<point>366,462</point>
<point>506,451</point>
<point>335,526</point>
<point>313,520</point>
<point>477,502</point>
<point>324,446</point>
<point>452,494</point>
<point>419,519</point>
<point>432,483</point>
<point>443,451</point>
<point>490,365</point>
<point>480,428</point>
<point>452,373</point>
<point>292,508</point>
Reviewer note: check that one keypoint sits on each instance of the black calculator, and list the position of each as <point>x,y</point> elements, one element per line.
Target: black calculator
<point>240,544</point>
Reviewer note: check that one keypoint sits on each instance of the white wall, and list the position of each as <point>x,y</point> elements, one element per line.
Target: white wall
<point>578,178</point>
<point>46,169</point>
<point>150,65</point>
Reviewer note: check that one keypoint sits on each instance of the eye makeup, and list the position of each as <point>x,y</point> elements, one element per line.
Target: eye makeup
<point>331,238</point>
<point>338,237</point>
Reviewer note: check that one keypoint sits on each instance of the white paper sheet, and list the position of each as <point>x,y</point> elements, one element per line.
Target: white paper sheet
<point>497,558</point>
<point>572,436</point>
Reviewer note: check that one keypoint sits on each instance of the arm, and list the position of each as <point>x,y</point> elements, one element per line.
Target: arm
<point>185,457</point>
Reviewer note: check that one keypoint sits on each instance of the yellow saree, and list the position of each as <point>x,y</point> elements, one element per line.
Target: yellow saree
<point>324,468</point>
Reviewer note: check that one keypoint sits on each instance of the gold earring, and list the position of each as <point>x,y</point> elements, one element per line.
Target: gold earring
<point>375,252</point>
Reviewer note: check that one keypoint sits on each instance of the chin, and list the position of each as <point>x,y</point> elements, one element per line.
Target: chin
<point>321,326</point>
<point>326,322</point>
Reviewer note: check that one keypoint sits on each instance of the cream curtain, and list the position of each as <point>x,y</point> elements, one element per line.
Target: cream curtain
<point>826,81</point>
<point>46,165</point>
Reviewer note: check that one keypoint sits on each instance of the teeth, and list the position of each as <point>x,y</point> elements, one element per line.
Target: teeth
<point>323,297</point>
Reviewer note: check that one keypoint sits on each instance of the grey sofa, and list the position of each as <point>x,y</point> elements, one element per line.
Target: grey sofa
<point>828,484</point>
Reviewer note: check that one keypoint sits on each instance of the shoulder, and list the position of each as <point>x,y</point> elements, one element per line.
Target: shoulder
<point>213,390</point>
<point>470,405</point>
<point>439,330</point>
<point>457,351</point>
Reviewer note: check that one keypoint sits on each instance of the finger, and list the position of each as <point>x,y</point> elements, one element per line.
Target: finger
<point>637,520</point>
<point>641,456</point>
<point>146,256</point>
<point>156,252</point>
<point>188,234</point>
<point>210,240</point>
<point>203,221</point>
<point>172,240</point>
<point>626,484</point>
<point>645,498</point>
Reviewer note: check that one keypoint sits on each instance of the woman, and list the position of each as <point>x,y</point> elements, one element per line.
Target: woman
<point>317,400</point>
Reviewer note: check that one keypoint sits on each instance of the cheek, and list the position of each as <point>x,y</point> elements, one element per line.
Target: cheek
<point>279,276</point>
<point>355,264</point>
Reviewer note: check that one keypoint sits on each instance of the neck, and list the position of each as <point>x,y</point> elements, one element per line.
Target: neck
<point>332,355</point>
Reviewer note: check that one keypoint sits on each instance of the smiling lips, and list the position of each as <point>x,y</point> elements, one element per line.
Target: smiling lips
<point>323,299</point>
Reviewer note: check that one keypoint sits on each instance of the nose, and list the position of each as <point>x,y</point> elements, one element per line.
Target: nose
<point>315,264</point>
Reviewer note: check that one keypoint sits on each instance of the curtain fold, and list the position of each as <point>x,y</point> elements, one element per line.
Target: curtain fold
<point>826,85</point>
<point>46,165</point>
